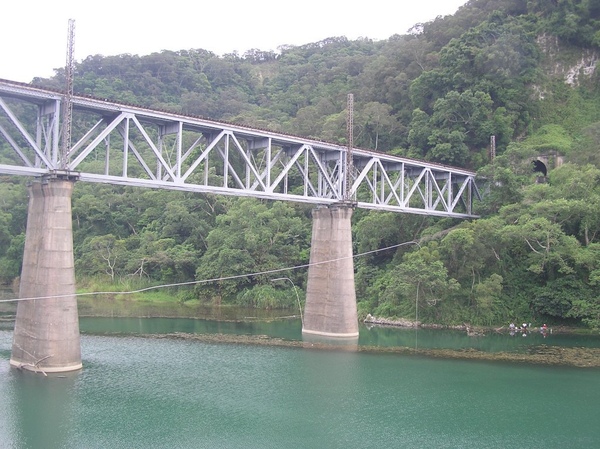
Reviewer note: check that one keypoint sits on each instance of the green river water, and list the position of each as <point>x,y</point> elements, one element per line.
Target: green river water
<point>139,391</point>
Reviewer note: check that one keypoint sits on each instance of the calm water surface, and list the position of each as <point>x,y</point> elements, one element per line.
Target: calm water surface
<point>138,392</point>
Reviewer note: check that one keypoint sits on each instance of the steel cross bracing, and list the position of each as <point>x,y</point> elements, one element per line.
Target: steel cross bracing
<point>134,146</point>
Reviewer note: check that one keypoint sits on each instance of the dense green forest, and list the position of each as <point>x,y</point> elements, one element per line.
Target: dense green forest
<point>521,71</point>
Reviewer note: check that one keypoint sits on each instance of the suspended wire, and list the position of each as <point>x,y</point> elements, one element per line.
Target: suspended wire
<point>207,281</point>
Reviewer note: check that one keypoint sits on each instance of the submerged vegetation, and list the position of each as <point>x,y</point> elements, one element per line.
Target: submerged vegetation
<point>536,355</point>
<point>521,71</point>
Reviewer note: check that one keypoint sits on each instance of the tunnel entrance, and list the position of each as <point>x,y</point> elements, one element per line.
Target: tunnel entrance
<point>540,167</point>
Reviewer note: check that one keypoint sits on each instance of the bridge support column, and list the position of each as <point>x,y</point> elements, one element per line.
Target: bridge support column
<point>330,309</point>
<point>46,335</point>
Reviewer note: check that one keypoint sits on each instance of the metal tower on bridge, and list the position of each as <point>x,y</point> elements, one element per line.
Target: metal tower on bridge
<point>349,157</point>
<point>67,103</point>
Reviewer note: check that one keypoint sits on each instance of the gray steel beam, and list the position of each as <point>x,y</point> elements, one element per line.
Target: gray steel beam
<point>175,151</point>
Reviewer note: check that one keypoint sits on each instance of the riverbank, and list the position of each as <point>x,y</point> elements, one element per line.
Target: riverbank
<point>543,352</point>
<point>158,304</point>
<point>149,306</point>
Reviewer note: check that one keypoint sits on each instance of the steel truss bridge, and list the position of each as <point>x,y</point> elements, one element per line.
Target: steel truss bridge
<point>134,146</point>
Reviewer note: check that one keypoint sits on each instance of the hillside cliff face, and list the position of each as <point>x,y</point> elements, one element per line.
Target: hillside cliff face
<point>575,65</point>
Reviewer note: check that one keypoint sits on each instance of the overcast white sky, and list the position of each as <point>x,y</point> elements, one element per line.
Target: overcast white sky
<point>33,33</point>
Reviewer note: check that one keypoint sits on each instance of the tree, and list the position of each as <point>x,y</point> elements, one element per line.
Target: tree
<point>457,119</point>
<point>103,254</point>
<point>375,126</point>
<point>251,239</point>
<point>463,257</point>
<point>587,152</point>
<point>488,298</point>
<point>13,214</point>
<point>418,285</point>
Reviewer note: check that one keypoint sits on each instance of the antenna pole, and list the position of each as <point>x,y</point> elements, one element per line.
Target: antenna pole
<point>349,158</point>
<point>67,102</point>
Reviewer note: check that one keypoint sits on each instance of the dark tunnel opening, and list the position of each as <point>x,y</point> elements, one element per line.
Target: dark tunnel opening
<point>540,167</point>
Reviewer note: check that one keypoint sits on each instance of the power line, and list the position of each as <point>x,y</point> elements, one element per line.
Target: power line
<point>207,281</point>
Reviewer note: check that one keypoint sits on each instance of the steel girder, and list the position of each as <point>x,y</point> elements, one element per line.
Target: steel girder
<point>134,146</point>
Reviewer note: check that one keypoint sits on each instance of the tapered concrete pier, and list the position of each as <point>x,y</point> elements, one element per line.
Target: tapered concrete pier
<point>330,309</point>
<point>46,336</point>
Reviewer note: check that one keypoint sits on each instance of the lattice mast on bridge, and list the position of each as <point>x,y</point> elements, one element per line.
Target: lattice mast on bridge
<point>350,137</point>
<point>67,103</point>
<point>492,148</point>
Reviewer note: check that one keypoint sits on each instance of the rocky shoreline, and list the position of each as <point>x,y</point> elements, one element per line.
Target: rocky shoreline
<point>403,322</point>
<point>471,330</point>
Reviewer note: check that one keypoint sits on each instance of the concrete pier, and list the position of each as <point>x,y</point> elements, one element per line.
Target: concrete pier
<point>330,309</point>
<point>46,336</point>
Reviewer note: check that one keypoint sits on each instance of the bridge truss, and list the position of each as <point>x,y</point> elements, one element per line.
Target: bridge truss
<point>134,146</point>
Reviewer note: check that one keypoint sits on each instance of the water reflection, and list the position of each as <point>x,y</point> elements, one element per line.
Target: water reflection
<point>106,307</point>
<point>291,329</point>
<point>329,381</point>
<point>454,339</point>
<point>110,316</point>
<point>345,344</point>
<point>43,408</point>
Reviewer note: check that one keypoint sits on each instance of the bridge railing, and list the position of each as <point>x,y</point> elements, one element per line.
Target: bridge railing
<point>135,146</point>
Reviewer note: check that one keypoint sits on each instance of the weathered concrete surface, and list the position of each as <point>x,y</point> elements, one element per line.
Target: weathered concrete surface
<point>330,309</point>
<point>46,335</point>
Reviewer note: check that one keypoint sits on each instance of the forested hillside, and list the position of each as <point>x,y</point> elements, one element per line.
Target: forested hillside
<point>521,71</point>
